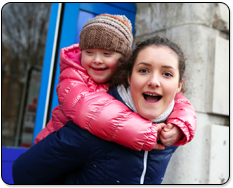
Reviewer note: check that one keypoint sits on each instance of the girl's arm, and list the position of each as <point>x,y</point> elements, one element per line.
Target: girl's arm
<point>183,116</point>
<point>54,156</point>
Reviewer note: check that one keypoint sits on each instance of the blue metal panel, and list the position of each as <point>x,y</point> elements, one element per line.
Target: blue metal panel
<point>7,172</point>
<point>101,8</point>
<point>10,154</point>
<point>8,157</point>
<point>83,17</point>
<point>127,6</point>
<point>46,70</point>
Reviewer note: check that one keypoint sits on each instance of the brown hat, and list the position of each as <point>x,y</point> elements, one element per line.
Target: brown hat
<point>110,32</point>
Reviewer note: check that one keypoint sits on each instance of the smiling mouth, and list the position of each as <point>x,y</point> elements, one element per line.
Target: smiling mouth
<point>99,69</point>
<point>151,98</point>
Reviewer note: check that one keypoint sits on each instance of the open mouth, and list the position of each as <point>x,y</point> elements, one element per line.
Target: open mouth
<point>99,69</point>
<point>151,98</point>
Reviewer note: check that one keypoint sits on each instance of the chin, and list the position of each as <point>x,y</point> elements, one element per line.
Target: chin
<point>149,116</point>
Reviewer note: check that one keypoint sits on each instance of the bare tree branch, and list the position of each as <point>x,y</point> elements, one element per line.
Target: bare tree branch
<point>24,33</point>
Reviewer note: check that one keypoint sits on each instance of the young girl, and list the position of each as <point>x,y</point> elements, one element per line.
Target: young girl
<point>83,85</point>
<point>72,155</point>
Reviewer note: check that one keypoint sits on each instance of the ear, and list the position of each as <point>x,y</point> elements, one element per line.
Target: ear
<point>128,79</point>
<point>180,85</point>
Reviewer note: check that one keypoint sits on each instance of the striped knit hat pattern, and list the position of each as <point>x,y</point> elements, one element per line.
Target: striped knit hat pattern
<point>109,32</point>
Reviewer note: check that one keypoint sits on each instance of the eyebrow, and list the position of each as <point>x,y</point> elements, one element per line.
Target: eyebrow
<point>169,67</point>
<point>147,64</point>
<point>164,66</point>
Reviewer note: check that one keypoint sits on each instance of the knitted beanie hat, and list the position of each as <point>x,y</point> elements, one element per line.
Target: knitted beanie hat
<point>110,32</point>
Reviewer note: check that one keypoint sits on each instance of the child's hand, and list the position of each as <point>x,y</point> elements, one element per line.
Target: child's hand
<point>160,127</point>
<point>170,134</point>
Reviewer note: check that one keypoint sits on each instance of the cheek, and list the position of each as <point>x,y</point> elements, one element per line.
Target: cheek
<point>170,90</point>
<point>84,61</point>
<point>113,63</point>
<point>136,85</point>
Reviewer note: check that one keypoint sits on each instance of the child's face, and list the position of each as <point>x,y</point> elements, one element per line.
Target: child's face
<point>154,81</point>
<point>100,64</point>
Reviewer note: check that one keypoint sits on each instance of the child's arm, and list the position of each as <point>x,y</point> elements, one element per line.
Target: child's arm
<point>183,116</point>
<point>99,113</point>
<point>104,116</point>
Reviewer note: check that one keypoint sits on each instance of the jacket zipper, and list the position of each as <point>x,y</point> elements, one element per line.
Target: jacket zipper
<point>144,167</point>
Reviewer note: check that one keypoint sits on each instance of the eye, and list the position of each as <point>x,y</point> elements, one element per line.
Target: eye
<point>143,70</point>
<point>107,53</point>
<point>88,52</point>
<point>167,74</point>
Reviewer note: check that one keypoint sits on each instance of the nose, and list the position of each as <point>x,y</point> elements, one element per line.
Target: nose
<point>154,81</point>
<point>98,60</point>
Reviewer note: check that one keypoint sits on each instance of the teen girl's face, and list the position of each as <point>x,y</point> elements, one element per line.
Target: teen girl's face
<point>100,64</point>
<point>154,81</point>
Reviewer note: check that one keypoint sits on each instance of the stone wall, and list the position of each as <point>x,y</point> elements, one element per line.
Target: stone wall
<point>202,30</point>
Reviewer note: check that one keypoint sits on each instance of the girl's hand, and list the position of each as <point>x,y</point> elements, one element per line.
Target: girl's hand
<point>170,134</point>
<point>160,127</point>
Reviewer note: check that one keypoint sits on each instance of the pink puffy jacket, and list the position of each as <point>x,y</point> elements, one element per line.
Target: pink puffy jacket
<point>87,104</point>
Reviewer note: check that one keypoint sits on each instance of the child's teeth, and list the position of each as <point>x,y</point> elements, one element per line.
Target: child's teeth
<point>151,94</point>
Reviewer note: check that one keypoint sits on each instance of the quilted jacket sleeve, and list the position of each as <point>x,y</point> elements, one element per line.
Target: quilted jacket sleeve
<point>104,116</point>
<point>110,119</point>
<point>183,116</point>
